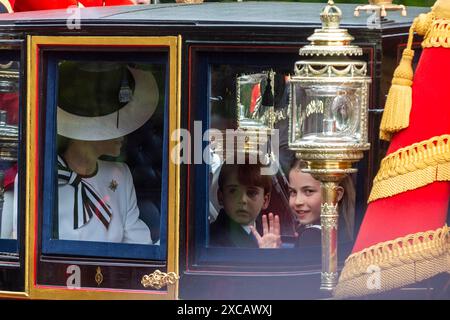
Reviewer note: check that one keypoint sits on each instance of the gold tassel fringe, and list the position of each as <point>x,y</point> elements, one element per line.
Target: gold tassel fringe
<point>438,35</point>
<point>413,167</point>
<point>399,100</point>
<point>396,263</point>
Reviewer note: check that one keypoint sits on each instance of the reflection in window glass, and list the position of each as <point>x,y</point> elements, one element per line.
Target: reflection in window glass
<point>241,199</point>
<point>9,120</point>
<point>109,124</point>
<point>244,97</point>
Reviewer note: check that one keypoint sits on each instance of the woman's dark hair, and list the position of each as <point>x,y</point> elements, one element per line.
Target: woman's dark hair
<point>61,144</point>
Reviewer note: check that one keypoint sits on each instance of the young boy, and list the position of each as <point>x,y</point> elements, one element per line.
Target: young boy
<point>243,192</point>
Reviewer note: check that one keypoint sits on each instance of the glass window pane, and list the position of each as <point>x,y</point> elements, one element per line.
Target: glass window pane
<point>249,93</point>
<point>244,98</point>
<point>9,122</point>
<point>110,150</point>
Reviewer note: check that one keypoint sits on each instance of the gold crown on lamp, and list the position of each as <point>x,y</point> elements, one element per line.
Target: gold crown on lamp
<point>331,15</point>
<point>331,39</point>
<point>382,6</point>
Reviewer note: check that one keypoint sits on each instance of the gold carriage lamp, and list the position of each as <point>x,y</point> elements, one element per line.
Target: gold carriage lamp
<point>328,120</point>
<point>381,6</point>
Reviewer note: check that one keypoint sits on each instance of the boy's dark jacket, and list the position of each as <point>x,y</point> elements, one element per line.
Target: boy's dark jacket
<point>224,232</point>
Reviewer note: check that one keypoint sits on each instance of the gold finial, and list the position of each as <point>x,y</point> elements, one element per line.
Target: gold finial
<point>330,39</point>
<point>331,16</point>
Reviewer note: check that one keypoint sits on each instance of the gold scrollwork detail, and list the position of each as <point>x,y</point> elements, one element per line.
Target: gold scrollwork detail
<point>332,68</point>
<point>312,155</point>
<point>159,279</point>
<point>99,276</point>
<point>329,278</point>
<point>329,222</point>
<point>329,209</point>
<point>330,186</point>
<point>328,148</point>
<point>310,50</point>
<point>329,216</point>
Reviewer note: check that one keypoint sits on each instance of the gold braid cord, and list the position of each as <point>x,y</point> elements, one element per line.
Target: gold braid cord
<point>394,264</point>
<point>438,35</point>
<point>413,167</point>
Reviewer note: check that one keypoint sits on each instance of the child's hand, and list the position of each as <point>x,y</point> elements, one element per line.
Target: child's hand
<point>271,232</point>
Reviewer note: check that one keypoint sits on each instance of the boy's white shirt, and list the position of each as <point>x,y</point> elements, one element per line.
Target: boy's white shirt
<point>247,227</point>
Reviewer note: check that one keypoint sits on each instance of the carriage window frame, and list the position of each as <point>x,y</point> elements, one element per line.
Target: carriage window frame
<point>205,257</point>
<point>95,249</point>
<point>10,248</point>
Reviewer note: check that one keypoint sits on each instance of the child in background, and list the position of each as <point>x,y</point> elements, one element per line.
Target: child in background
<point>305,200</point>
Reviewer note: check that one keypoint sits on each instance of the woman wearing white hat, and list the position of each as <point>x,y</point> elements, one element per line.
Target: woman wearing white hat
<point>97,107</point>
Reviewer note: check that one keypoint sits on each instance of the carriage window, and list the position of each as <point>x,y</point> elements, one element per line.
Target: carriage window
<point>250,101</point>
<point>278,207</point>
<point>9,132</point>
<point>259,198</point>
<point>108,158</point>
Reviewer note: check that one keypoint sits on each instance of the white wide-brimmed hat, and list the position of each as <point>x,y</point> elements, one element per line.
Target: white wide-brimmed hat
<point>90,107</point>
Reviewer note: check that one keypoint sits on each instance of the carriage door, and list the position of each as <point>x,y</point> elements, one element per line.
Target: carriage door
<point>103,189</point>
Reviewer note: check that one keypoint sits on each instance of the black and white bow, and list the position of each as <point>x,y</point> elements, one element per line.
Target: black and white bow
<point>87,201</point>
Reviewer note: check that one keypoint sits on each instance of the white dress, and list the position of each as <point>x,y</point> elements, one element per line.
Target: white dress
<point>114,184</point>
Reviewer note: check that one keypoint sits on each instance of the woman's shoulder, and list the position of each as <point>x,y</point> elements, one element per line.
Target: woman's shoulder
<point>113,165</point>
<point>114,170</point>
